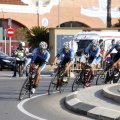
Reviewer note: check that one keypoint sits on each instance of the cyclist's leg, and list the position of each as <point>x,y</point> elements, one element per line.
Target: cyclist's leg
<point>37,78</point>
<point>90,60</point>
<point>39,73</point>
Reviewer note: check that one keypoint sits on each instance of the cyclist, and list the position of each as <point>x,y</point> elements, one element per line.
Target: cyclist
<point>116,58</point>
<point>94,57</point>
<point>39,55</point>
<point>22,53</point>
<point>68,57</point>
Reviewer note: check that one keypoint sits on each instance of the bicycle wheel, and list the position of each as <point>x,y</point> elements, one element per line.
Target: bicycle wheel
<point>24,89</point>
<point>63,84</point>
<point>101,78</point>
<point>119,85</point>
<point>77,82</point>
<point>53,85</point>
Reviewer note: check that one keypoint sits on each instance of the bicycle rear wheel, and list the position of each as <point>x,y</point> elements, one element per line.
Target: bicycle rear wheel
<point>53,85</point>
<point>63,85</point>
<point>77,82</point>
<point>24,89</point>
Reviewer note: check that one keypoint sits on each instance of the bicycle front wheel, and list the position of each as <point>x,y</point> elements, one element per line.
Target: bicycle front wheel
<point>63,84</point>
<point>101,78</point>
<point>24,89</point>
<point>76,83</point>
<point>53,85</point>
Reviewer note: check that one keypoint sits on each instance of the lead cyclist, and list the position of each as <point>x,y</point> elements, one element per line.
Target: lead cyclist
<point>40,55</point>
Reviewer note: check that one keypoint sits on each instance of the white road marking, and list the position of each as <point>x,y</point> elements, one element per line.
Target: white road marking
<point>20,107</point>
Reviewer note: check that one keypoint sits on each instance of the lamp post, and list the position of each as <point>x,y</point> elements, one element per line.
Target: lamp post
<point>59,13</point>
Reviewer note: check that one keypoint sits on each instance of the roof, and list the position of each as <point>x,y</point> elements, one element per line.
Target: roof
<point>12,2</point>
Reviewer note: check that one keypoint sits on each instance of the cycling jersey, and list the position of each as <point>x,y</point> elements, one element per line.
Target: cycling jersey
<point>115,46</point>
<point>39,57</point>
<point>20,52</point>
<point>94,55</point>
<point>67,56</point>
<point>117,55</point>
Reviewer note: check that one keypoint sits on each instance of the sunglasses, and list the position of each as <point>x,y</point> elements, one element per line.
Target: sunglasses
<point>42,49</point>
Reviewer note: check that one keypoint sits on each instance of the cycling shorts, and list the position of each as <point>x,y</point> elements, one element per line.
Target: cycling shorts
<point>116,57</point>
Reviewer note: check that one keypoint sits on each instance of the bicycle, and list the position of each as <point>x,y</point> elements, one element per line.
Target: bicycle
<point>119,84</point>
<point>107,75</point>
<point>58,81</point>
<point>29,82</point>
<point>83,77</point>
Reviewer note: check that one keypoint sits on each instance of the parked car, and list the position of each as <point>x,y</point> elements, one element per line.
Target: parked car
<point>6,62</point>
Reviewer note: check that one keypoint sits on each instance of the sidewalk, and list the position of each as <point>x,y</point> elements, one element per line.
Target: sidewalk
<point>91,102</point>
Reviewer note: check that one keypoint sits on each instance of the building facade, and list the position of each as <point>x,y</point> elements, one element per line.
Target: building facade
<point>55,13</point>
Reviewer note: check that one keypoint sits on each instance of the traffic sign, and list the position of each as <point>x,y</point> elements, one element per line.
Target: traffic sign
<point>10,32</point>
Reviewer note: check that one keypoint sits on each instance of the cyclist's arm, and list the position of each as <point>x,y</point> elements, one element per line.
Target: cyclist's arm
<point>54,61</point>
<point>57,56</point>
<point>97,54</point>
<point>85,53</point>
<point>109,51</point>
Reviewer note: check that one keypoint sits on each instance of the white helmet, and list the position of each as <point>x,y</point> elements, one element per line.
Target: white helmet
<point>95,42</point>
<point>43,45</point>
<point>22,44</point>
<point>66,45</point>
<point>118,42</point>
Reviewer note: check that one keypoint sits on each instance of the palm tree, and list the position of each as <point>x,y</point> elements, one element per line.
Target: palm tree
<point>108,13</point>
<point>37,34</point>
<point>117,24</point>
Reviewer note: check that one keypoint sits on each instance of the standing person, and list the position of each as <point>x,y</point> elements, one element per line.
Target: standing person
<point>40,55</point>
<point>15,53</point>
<point>68,59</point>
<point>114,51</point>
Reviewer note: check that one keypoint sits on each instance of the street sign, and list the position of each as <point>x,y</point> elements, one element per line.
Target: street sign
<point>10,32</point>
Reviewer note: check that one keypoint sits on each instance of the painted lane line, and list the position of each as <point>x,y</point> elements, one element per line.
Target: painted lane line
<point>20,106</point>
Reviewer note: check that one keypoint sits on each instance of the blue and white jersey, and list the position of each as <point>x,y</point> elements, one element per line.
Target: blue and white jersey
<point>43,56</point>
<point>93,53</point>
<point>70,55</point>
<point>115,46</point>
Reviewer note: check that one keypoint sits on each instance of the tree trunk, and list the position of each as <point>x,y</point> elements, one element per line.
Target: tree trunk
<point>108,13</point>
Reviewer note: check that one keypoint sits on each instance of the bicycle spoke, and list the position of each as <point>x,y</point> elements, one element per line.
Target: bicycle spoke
<point>76,83</point>
<point>63,85</point>
<point>24,89</point>
<point>53,85</point>
<point>101,78</point>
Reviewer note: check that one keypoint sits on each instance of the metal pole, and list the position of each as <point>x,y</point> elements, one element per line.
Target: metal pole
<point>10,46</point>
<point>5,40</point>
<point>59,14</point>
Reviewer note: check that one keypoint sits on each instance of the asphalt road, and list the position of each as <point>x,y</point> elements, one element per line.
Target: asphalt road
<point>41,106</point>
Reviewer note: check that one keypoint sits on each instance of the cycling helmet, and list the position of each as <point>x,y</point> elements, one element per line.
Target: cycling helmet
<point>43,45</point>
<point>21,44</point>
<point>95,42</point>
<point>66,45</point>
<point>118,43</point>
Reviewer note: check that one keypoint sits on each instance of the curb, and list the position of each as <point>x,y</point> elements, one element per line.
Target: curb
<point>101,113</point>
<point>111,95</point>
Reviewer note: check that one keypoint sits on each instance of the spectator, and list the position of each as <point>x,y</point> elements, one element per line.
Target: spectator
<point>113,53</point>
